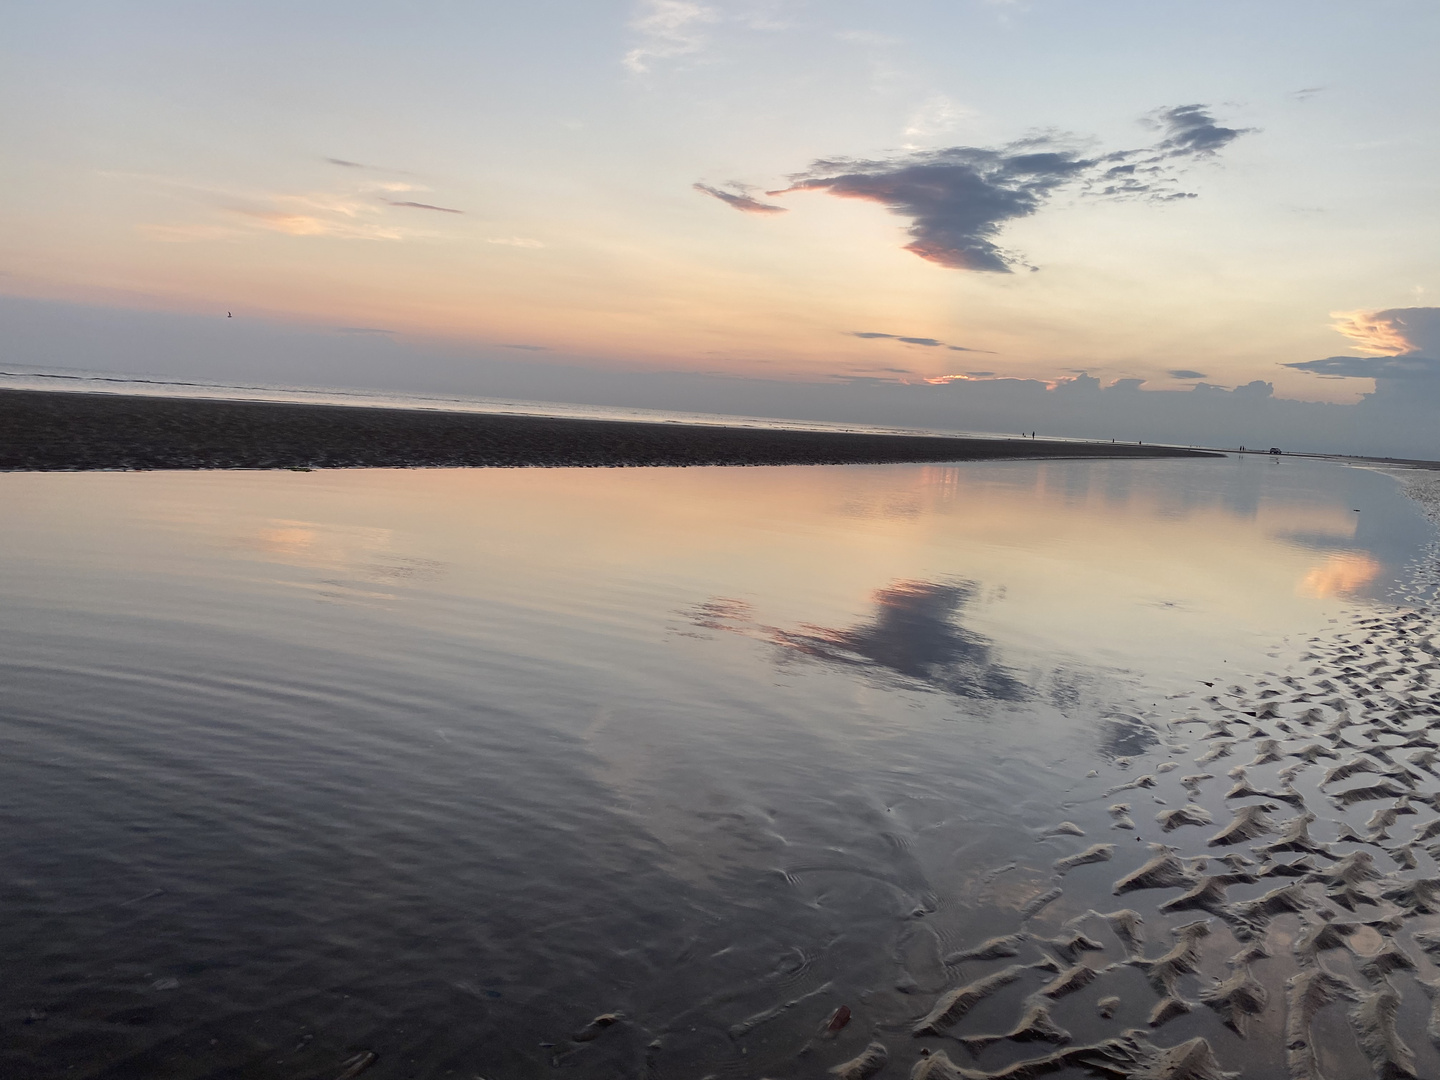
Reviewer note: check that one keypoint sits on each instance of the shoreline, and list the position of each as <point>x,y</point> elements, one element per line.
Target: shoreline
<point>58,431</point>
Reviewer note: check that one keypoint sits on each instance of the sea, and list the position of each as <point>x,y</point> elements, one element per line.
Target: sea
<point>731,773</point>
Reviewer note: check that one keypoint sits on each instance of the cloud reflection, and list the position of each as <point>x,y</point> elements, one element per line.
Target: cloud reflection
<point>914,636</point>
<point>1339,575</point>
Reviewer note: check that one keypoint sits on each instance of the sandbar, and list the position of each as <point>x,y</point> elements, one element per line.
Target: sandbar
<point>66,431</point>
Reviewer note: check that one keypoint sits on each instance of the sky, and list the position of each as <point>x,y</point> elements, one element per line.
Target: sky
<point>762,206</point>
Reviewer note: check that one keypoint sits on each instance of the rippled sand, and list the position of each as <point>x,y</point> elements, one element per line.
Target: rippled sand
<point>1288,887</point>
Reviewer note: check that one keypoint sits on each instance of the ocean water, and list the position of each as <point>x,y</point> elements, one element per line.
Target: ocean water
<point>417,773</point>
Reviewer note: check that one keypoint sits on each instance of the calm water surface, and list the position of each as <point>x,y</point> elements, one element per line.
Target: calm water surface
<point>440,765</point>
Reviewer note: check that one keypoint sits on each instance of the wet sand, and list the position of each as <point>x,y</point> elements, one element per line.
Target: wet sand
<point>49,431</point>
<point>1292,893</point>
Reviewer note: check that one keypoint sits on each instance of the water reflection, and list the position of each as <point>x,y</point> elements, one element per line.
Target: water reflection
<point>1123,735</point>
<point>1343,574</point>
<point>914,636</point>
<point>453,827</point>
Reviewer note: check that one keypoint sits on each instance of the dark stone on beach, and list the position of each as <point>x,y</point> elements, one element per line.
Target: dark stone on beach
<point>45,430</point>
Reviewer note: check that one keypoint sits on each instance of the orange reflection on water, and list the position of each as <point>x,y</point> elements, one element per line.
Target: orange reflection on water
<point>1339,575</point>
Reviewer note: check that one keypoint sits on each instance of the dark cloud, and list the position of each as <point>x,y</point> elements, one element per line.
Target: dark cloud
<point>1405,366</point>
<point>527,348</point>
<point>1411,337</point>
<point>347,164</point>
<point>424,206</point>
<point>1124,385</point>
<point>1192,132</point>
<point>915,637</point>
<point>928,342</point>
<point>1257,388</point>
<point>740,201</point>
<point>1306,93</point>
<point>958,198</point>
<point>867,380</point>
<point>363,330</point>
<point>1184,373</point>
<point>979,374</point>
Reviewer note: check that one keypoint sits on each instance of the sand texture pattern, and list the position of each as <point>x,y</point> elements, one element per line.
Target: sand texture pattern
<point>1315,926</point>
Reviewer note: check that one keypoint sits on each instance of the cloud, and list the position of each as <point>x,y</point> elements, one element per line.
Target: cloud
<point>1397,330</point>
<point>515,241</point>
<point>956,198</point>
<point>335,223</point>
<point>364,330</point>
<point>667,29</point>
<point>1403,343</point>
<point>423,206</point>
<point>867,380</point>
<point>740,201</point>
<point>1183,373</point>
<point>959,198</point>
<point>915,637</point>
<point>928,342</point>
<point>1371,367</point>
<point>1192,132</point>
<point>346,164</point>
<point>1256,388</point>
<point>527,348</point>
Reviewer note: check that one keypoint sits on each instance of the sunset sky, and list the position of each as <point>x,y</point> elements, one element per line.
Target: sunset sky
<point>771,189</point>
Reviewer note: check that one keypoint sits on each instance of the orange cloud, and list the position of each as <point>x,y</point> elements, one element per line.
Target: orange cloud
<point>1373,332</point>
<point>1339,575</point>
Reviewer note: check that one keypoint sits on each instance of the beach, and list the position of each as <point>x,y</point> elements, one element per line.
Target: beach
<point>1005,767</point>
<point>52,431</point>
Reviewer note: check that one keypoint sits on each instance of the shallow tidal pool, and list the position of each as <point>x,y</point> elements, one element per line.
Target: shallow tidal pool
<point>665,773</point>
